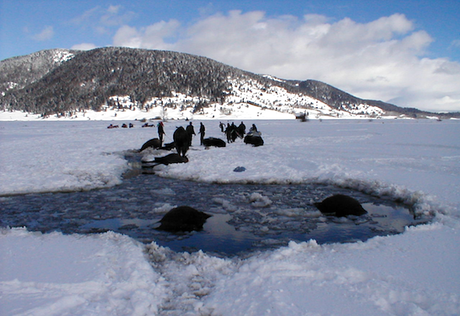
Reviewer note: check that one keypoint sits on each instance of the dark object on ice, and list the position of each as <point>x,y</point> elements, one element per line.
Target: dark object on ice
<point>239,169</point>
<point>340,205</point>
<point>168,146</point>
<point>181,140</point>
<point>212,141</point>
<point>303,117</point>
<point>232,133</point>
<point>154,143</point>
<point>112,126</point>
<point>190,131</point>
<point>183,218</point>
<point>168,159</point>
<point>254,138</point>
<point>241,130</point>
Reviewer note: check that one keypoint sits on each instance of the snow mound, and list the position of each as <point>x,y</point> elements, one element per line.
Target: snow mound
<point>55,274</point>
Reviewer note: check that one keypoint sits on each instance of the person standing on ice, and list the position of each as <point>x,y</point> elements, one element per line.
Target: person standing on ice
<point>190,131</point>
<point>202,132</point>
<point>161,133</point>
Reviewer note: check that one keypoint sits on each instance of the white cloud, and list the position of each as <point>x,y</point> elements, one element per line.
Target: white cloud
<point>103,20</point>
<point>115,16</point>
<point>382,59</point>
<point>153,36</point>
<point>46,34</point>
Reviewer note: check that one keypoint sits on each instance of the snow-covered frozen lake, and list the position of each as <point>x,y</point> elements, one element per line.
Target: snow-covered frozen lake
<point>414,162</point>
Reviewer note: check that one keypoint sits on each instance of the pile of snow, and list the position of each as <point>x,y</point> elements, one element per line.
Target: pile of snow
<point>55,274</point>
<point>414,273</point>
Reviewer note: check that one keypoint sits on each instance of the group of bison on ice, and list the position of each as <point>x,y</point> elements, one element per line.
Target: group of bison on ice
<point>186,218</point>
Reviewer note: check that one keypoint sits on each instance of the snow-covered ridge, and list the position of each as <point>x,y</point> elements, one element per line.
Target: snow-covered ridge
<point>17,72</point>
<point>273,78</point>
<point>62,55</point>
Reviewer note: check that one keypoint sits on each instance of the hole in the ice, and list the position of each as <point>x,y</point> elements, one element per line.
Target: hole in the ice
<point>246,218</point>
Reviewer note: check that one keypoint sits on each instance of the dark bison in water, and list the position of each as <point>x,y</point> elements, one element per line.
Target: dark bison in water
<point>168,159</point>
<point>340,205</point>
<point>154,143</point>
<point>183,218</point>
<point>181,141</point>
<point>216,142</point>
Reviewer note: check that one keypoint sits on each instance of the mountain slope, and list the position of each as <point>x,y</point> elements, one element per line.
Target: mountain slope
<point>63,81</point>
<point>17,72</point>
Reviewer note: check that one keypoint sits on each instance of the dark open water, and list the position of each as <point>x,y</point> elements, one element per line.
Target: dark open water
<point>246,218</point>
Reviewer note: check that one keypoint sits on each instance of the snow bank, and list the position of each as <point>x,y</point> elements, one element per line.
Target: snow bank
<point>384,276</point>
<point>55,274</point>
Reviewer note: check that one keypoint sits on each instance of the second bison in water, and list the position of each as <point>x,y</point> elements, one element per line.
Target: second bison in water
<point>340,205</point>
<point>183,218</point>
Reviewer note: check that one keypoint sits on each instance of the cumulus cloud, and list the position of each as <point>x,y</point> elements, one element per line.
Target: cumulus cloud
<point>154,36</point>
<point>46,34</point>
<point>381,59</point>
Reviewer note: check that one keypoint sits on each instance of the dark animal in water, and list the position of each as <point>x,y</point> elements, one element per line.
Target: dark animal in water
<point>181,140</point>
<point>212,141</point>
<point>183,218</point>
<point>340,205</point>
<point>254,139</point>
<point>154,143</point>
<point>168,159</point>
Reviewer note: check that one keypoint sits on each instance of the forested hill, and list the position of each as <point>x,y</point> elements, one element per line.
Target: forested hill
<point>61,81</point>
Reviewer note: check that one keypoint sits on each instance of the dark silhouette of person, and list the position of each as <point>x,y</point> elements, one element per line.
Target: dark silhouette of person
<point>253,128</point>
<point>202,133</point>
<point>161,133</point>
<point>190,131</point>
<point>241,130</point>
<point>228,133</point>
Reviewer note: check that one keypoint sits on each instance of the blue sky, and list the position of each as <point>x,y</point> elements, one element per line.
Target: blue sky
<point>404,52</point>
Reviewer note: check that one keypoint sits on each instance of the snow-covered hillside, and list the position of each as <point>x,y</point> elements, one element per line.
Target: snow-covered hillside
<point>68,83</point>
<point>246,99</point>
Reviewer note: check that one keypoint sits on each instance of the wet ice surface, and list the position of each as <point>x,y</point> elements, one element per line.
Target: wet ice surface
<point>245,218</point>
